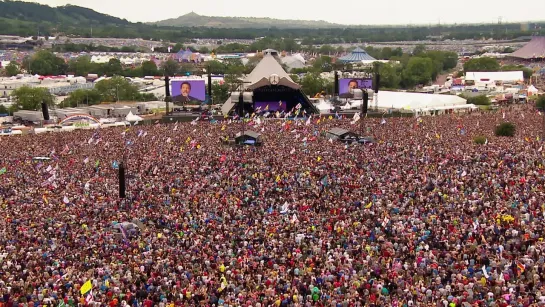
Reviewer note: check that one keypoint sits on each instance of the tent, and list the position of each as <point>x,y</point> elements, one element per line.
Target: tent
<point>133,118</point>
<point>357,55</point>
<point>532,90</point>
<point>415,101</point>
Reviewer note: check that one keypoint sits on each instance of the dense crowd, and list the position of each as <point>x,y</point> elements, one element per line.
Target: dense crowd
<point>424,216</point>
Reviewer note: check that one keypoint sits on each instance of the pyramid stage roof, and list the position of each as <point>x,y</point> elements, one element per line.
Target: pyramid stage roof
<point>533,50</point>
<point>264,69</point>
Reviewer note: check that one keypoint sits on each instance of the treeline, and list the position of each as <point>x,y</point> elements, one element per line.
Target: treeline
<point>46,63</point>
<point>405,70</point>
<point>109,90</point>
<point>309,36</point>
<point>71,47</point>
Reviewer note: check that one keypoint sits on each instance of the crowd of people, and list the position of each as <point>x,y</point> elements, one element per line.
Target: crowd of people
<point>424,216</point>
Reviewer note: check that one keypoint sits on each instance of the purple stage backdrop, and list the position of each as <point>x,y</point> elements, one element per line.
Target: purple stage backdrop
<point>196,88</point>
<point>273,106</point>
<point>362,83</point>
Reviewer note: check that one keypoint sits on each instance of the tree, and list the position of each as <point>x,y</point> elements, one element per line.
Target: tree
<point>540,103</point>
<point>117,89</point>
<point>419,49</point>
<point>232,76</point>
<point>204,50</point>
<point>327,49</point>
<point>12,69</point>
<point>482,64</point>
<point>82,66</point>
<point>220,92</point>
<point>149,68</point>
<point>481,140</point>
<point>322,64</point>
<point>30,98</point>
<point>312,83</point>
<point>480,100</point>
<point>418,71</point>
<point>44,62</point>
<point>170,67</point>
<point>3,109</point>
<point>505,129</point>
<point>112,68</point>
<point>82,97</point>
<point>216,67</point>
<point>527,72</point>
<point>389,75</point>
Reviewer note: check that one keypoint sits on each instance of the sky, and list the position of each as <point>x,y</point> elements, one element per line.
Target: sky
<point>381,12</point>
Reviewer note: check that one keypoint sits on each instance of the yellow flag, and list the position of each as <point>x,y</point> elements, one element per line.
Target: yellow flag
<point>278,178</point>
<point>188,139</point>
<point>319,159</point>
<point>87,286</point>
<point>222,127</point>
<point>199,146</point>
<point>369,205</point>
<point>437,135</point>
<point>181,148</point>
<point>330,117</point>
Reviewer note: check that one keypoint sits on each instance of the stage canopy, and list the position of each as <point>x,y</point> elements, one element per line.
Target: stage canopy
<point>533,50</point>
<point>357,55</point>
<point>261,75</point>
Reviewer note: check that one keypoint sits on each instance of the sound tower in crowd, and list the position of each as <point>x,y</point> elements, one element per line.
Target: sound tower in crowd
<point>376,88</point>
<point>167,92</point>
<point>364,109</point>
<point>336,84</point>
<point>45,111</point>
<point>122,180</point>
<point>241,109</point>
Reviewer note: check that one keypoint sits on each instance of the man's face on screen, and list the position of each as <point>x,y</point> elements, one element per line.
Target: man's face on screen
<point>186,89</point>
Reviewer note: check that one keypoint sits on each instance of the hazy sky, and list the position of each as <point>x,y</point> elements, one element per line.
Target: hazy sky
<point>344,12</point>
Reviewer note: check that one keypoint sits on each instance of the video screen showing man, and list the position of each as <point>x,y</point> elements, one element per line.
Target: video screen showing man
<point>353,84</point>
<point>347,86</point>
<point>185,97</point>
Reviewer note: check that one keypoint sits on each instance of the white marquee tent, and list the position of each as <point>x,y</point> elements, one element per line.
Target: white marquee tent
<point>420,101</point>
<point>504,76</point>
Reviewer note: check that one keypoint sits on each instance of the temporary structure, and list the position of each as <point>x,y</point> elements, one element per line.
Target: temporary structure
<point>133,118</point>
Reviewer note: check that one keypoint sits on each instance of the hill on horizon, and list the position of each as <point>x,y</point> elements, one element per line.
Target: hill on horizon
<point>68,14</point>
<point>195,20</point>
